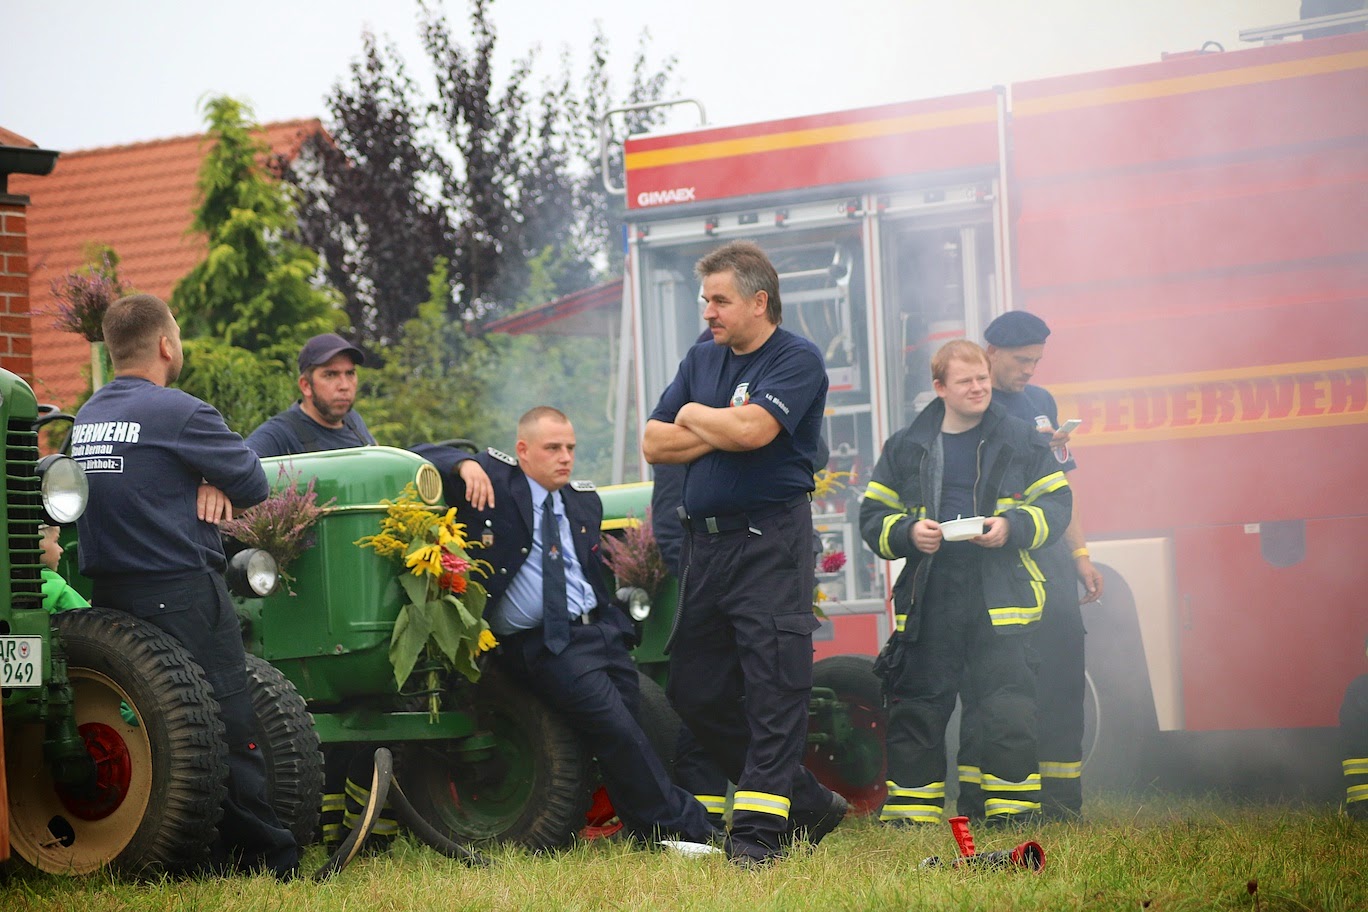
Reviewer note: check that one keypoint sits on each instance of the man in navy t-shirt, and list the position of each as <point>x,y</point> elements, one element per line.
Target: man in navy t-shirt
<point>163,470</point>
<point>323,418</point>
<point>745,414</point>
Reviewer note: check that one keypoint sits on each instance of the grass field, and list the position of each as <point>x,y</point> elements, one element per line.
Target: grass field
<point>1153,853</point>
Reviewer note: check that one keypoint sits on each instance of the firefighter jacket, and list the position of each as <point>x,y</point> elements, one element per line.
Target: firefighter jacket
<point>1018,478</point>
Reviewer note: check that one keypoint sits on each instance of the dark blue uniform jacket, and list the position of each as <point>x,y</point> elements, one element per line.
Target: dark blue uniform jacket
<point>145,449</point>
<point>510,522</point>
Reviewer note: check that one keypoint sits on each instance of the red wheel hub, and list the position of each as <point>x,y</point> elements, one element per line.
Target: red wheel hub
<point>113,773</point>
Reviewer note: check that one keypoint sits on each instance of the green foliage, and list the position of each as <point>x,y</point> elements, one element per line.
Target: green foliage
<point>256,288</point>
<point>431,382</point>
<point>246,387</point>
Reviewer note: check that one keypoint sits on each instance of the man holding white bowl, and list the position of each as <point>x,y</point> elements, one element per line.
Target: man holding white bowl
<point>968,592</point>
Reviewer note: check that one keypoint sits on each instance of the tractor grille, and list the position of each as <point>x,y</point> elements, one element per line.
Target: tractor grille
<point>24,514</point>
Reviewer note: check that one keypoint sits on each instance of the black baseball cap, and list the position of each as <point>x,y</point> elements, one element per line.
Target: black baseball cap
<point>1016,328</point>
<point>323,348</point>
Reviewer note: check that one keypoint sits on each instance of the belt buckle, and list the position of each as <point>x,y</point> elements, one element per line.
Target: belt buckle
<point>711,524</point>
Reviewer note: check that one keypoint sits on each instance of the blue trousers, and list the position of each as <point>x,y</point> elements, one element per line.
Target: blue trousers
<point>593,683</point>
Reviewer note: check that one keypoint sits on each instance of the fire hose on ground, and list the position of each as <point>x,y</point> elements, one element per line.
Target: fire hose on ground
<point>1027,855</point>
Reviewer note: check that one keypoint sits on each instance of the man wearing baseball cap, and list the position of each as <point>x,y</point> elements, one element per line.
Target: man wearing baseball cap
<point>323,418</point>
<point>1016,343</point>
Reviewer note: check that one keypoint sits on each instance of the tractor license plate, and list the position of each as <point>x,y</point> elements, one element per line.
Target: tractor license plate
<point>21,661</point>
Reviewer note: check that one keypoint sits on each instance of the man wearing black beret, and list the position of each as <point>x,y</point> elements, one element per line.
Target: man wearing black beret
<point>1016,343</point>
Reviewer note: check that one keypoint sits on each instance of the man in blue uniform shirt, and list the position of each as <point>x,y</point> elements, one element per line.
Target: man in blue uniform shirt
<point>549,606</point>
<point>745,413</point>
<point>163,470</point>
<point>323,418</point>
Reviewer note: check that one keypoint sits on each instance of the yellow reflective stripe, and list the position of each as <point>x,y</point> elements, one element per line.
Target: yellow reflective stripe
<point>1357,792</point>
<point>900,622</point>
<point>713,804</point>
<point>358,793</point>
<point>1052,482</point>
<point>970,774</point>
<point>1061,770</point>
<point>761,803</point>
<point>1006,617</point>
<point>1006,503</point>
<point>334,802</point>
<point>992,783</point>
<point>926,813</point>
<point>1042,528</point>
<point>889,521</point>
<point>929,792</point>
<point>884,495</point>
<point>1006,807</point>
<point>384,826</point>
<point>1355,766</point>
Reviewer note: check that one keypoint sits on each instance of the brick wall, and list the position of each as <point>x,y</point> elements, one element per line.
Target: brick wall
<point>16,330</point>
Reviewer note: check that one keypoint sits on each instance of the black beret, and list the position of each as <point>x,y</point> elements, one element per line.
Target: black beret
<point>1016,328</point>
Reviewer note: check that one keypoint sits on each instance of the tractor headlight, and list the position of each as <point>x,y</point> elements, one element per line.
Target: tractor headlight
<point>64,487</point>
<point>638,602</point>
<point>252,573</point>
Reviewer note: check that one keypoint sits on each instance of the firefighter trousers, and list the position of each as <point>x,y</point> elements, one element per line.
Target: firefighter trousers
<point>1353,720</point>
<point>956,643</point>
<point>1061,686</point>
<point>741,671</point>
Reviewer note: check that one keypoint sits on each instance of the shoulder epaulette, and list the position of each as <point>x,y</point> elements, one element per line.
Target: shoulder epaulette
<point>502,456</point>
<point>583,486</point>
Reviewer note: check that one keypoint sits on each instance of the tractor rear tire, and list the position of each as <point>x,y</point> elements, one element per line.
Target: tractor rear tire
<point>160,780</point>
<point>659,721</point>
<point>531,789</point>
<point>294,762</point>
<point>856,768</point>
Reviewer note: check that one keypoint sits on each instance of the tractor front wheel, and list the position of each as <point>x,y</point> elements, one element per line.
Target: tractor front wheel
<point>294,764</point>
<point>846,743</point>
<point>527,785</point>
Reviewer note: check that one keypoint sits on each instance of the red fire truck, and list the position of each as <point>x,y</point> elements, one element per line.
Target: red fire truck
<point>1195,232</point>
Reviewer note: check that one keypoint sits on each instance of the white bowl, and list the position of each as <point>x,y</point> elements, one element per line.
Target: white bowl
<point>962,529</point>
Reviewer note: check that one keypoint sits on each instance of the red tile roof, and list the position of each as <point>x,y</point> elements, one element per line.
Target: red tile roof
<point>587,312</point>
<point>138,199</point>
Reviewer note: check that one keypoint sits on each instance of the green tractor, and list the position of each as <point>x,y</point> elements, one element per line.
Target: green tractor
<point>494,763</point>
<point>113,751</point>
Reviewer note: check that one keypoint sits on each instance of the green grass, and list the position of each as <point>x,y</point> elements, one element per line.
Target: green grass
<point>1158,854</point>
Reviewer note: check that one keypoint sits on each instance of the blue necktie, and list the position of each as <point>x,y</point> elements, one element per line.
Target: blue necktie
<point>555,613</point>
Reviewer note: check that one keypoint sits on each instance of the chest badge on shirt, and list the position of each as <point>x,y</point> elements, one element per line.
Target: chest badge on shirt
<point>741,395</point>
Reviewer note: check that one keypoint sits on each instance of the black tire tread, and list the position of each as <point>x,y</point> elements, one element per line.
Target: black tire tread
<point>294,760</point>
<point>555,809</point>
<point>177,708</point>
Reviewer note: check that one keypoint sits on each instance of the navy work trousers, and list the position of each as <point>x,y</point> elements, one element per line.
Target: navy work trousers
<point>593,683</point>
<point>741,670</point>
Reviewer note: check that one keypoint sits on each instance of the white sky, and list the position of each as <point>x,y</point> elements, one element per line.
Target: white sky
<point>98,73</point>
